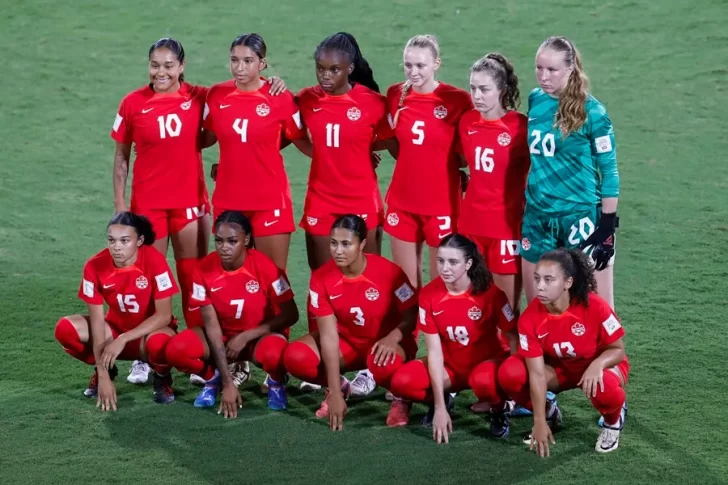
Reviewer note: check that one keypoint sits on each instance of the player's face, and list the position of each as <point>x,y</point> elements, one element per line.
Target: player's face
<point>332,71</point>
<point>123,244</point>
<point>451,264</point>
<point>230,244</point>
<point>552,73</point>
<point>245,65</point>
<point>420,66</point>
<point>345,247</point>
<point>164,70</point>
<point>484,92</point>
<point>551,282</point>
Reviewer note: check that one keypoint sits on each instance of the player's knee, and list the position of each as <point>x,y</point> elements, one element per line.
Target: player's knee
<point>301,361</point>
<point>383,374</point>
<point>269,353</point>
<point>156,347</point>
<point>483,382</point>
<point>611,399</point>
<point>183,348</point>
<point>66,333</point>
<point>513,375</point>
<point>411,381</point>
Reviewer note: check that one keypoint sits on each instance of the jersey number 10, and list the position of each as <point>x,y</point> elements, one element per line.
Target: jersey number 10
<point>169,125</point>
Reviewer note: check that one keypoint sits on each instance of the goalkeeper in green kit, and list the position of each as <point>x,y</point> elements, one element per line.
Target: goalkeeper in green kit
<point>573,185</point>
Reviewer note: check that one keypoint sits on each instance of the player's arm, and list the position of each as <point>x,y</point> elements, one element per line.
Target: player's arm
<point>541,433</point>
<point>213,332</point>
<point>436,368</point>
<point>287,317</point>
<point>122,156</point>
<point>304,146</point>
<point>208,138</point>
<point>330,352</point>
<point>106,398</point>
<point>161,318</point>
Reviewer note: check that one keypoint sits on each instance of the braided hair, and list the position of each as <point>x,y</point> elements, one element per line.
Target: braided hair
<point>239,219</point>
<point>345,43</point>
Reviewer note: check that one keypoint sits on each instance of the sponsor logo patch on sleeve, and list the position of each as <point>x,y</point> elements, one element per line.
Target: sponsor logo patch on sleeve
<point>198,292</point>
<point>117,122</point>
<point>423,316</point>
<point>523,341</point>
<point>404,292</point>
<point>314,298</point>
<point>88,288</point>
<point>611,324</point>
<point>164,282</point>
<point>508,312</point>
<point>603,144</point>
<point>280,286</point>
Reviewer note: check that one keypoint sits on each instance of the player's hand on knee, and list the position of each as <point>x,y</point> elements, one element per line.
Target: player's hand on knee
<point>592,380</point>
<point>231,401</point>
<point>441,426</point>
<point>385,351</point>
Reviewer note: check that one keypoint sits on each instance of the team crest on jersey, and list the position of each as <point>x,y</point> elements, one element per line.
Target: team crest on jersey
<point>392,219</point>
<point>186,105</point>
<point>142,282</point>
<point>440,112</point>
<point>312,221</point>
<point>252,286</point>
<point>525,244</point>
<point>475,313</point>
<point>578,329</point>
<point>504,139</point>
<point>262,109</point>
<point>353,114</point>
<point>372,294</point>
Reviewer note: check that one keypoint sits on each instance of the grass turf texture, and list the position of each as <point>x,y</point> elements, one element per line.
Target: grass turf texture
<point>657,66</point>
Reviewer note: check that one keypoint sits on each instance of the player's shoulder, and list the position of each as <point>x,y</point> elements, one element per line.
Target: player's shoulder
<point>310,93</point>
<point>469,117</point>
<point>195,91</point>
<point>210,263</point>
<point>531,312</point>
<point>152,256</point>
<point>220,89</point>
<point>361,92</point>
<point>326,271</point>
<point>595,109</point>
<point>261,262</point>
<point>455,96</point>
<point>395,90</point>
<point>535,94</point>
<point>137,97</point>
<point>433,289</point>
<point>283,99</point>
<point>100,261</point>
<point>598,306</point>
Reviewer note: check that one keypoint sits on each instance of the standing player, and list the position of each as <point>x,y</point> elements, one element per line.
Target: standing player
<point>247,305</point>
<point>569,337</point>
<point>249,122</point>
<point>366,312</point>
<point>461,314</point>
<point>493,139</point>
<point>424,196</point>
<point>573,185</point>
<point>136,283</point>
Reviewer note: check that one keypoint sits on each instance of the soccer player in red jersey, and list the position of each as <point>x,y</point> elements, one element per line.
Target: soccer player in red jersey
<point>424,196</point>
<point>344,115</point>
<point>569,337</point>
<point>461,314</point>
<point>493,139</point>
<point>366,311</point>
<point>249,122</point>
<point>247,306</point>
<point>136,283</point>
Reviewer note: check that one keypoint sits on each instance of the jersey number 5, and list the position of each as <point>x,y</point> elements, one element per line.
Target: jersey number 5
<point>417,130</point>
<point>169,125</point>
<point>548,144</point>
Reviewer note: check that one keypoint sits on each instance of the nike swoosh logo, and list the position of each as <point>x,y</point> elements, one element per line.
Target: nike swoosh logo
<point>531,119</point>
<point>543,336</point>
<point>316,110</point>
<point>213,290</point>
<point>506,261</point>
<point>189,309</point>
<point>444,235</point>
<point>223,106</point>
<point>106,287</point>
<point>472,132</point>
<point>437,313</point>
<point>269,223</point>
<point>334,297</point>
<point>145,111</point>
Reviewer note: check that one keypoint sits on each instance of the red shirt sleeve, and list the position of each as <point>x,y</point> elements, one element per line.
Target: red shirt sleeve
<point>404,295</point>
<point>292,125</point>
<point>279,287</point>
<point>507,318</point>
<point>122,130</point>
<point>528,344</point>
<point>199,288</point>
<point>610,328</point>
<point>319,302</point>
<point>208,121</point>
<point>164,284</point>
<point>89,288</point>
<point>425,321</point>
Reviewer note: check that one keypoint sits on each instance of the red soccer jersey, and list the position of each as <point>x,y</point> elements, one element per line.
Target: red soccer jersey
<point>467,324</point>
<point>342,130</point>
<point>245,298</point>
<point>129,292</point>
<point>426,179</point>
<point>248,126</point>
<point>497,154</point>
<point>366,308</point>
<point>165,131</point>
<point>571,340</point>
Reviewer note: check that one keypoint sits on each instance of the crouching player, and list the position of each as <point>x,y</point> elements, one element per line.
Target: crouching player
<point>460,314</point>
<point>366,312</point>
<point>136,283</point>
<point>247,307</point>
<point>569,337</point>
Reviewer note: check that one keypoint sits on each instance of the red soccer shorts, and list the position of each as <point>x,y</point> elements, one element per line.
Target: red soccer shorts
<point>320,224</point>
<point>501,256</point>
<point>266,222</point>
<point>171,221</point>
<point>418,228</point>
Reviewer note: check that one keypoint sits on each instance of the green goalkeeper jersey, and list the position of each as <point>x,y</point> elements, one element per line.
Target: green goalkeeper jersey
<point>569,174</point>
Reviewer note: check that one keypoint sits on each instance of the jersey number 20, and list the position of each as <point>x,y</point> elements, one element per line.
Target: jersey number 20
<point>548,144</point>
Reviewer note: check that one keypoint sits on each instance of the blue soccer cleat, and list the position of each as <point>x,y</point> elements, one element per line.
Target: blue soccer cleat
<point>206,398</point>
<point>277,399</point>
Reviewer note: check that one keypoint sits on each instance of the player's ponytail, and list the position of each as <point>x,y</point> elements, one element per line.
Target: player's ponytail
<point>480,277</point>
<point>571,114</point>
<point>576,265</point>
<point>239,219</point>
<point>504,77</point>
<point>173,45</point>
<point>353,223</point>
<point>141,225</point>
<point>345,43</point>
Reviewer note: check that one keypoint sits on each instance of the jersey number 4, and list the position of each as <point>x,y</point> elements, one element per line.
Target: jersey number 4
<point>548,144</point>
<point>169,126</point>
<point>458,334</point>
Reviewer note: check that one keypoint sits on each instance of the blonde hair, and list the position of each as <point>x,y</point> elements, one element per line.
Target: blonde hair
<point>571,114</point>
<point>424,41</point>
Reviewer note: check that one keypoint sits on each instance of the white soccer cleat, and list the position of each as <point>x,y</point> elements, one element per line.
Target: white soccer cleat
<point>363,384</point>
<point>196,380</point>
<point>308,386</point>
<point>608,440</point>
<point>139,372</point>
<point>240,372</point>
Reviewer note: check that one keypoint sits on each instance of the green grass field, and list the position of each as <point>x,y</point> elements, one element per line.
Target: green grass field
<point>660,68</point>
